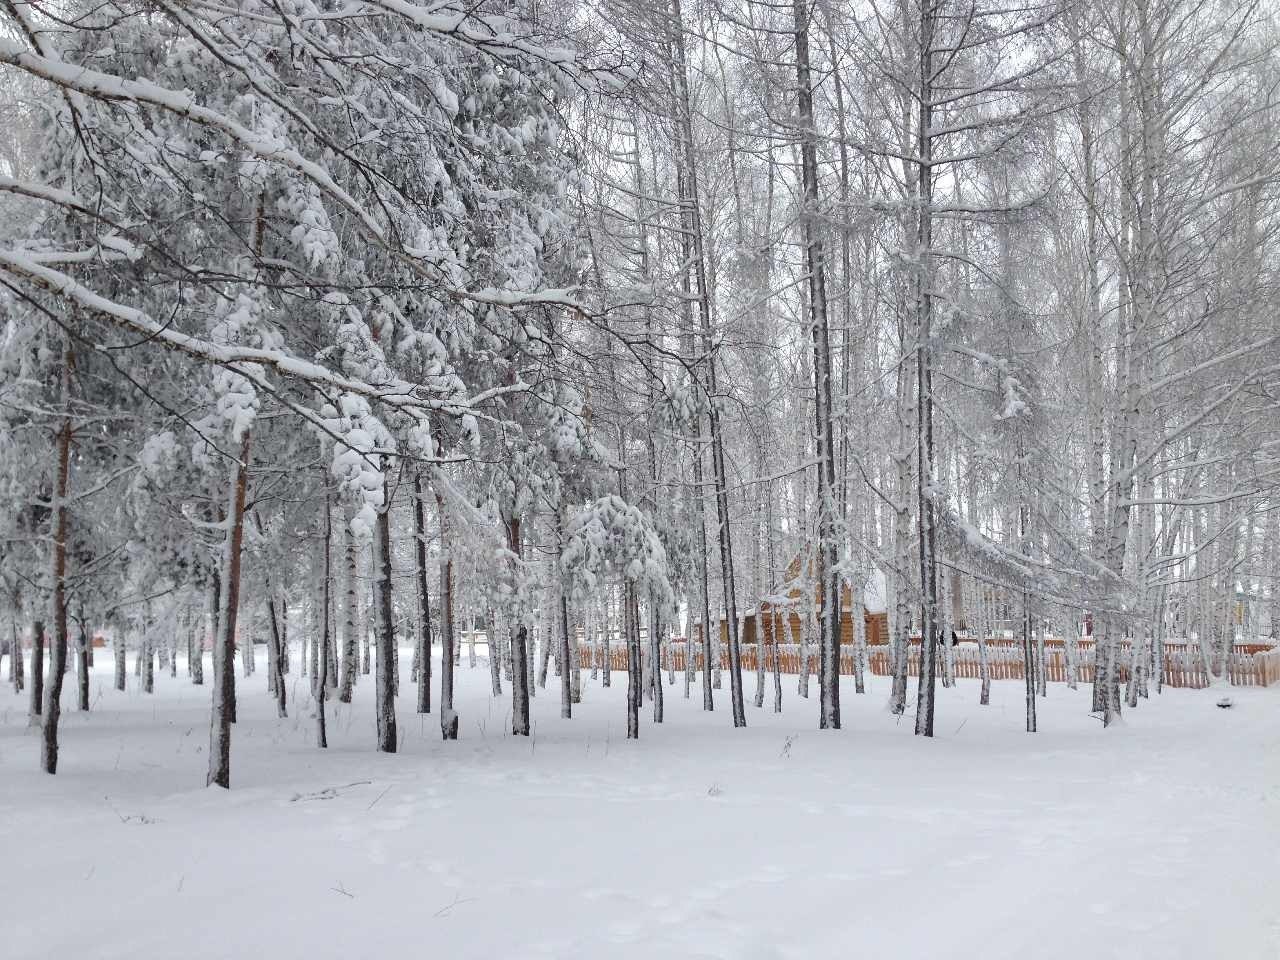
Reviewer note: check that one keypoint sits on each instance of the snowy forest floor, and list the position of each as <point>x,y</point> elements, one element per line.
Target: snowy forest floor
<point>1160,838</point>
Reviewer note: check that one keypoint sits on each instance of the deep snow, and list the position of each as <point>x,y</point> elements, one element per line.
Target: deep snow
<point>1160,838</point>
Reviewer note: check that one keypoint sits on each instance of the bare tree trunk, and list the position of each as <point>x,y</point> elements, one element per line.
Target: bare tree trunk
<point>58,653</point>
<point>275,662</point>
<point>16,662</point>
<point>1042,688</point>
<point>121,659</point>
<point>424,597</point>
<point>385,680</point>
<point>85,644</point>
<point>149,654</point>
<point>520,682</point>
<point>1028,663</point>
<point>655,657</point>
<point>566,681</point>
<point>350,614</point>
<point>247,654</point>
<point>985,625</point>
<point>635,678</point>
<point>331,674</point>
<point>448,718</point>
<point>326,638</point>
<point>495,658</point>
<point>575,667</point>
<point>692,227</point>
<point>37,673</point>
<point>519,649</point>
<point>318,615</point>
<point>857,613</point>
<point>607,654</point>
<point>900,620</point>
<point>828,554</point>
<point>947,620</point>
<point>544,626</point>
<point>224,691</point>
<point>545,660</point>
<point>927,536</point>
<point>283,609</point>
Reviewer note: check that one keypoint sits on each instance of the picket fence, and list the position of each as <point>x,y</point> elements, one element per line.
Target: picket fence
<point>1183,665</point>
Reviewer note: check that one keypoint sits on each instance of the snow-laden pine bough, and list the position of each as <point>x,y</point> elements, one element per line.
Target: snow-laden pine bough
<point>356,235</point>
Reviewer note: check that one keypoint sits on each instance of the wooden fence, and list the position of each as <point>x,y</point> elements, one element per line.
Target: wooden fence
<point>1183,665</point>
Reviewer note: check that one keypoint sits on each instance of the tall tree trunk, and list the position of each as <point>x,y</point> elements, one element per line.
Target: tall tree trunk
<point>224,651</point>
<point>350,614</point>
<point>283,608</point>
<point>37,672</point>
<point>635,676</point>
<point>424,598</point>
<point>58,653</point>
<point>276,660</point>
<point>495,653</point>
<point>84,645</point>
<point>1028,662</point>
<point>519,649</point>
<point>121,657</point>
<point>828,554</point>
<point>149,653</point>
<point>545,655</point>
<point>520,681</point>
<point>927,536</point>
<point>985,627</point>
<point>566,681</point>
<point>16,662</point>
<point>330,648</point>
<point>248,660</point>
<point>607,651</point>
<point>692,227</point>
<point>326,632</point>
<point>385,680</point>
<point>318,615</point>
<point>448,718</point>
<point>655,657</point>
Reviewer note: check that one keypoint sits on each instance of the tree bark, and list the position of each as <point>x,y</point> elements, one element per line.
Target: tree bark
<point>37,671</point>
<point>385,695</point>
<point>16,662</point>
<point>84,645</point>
<point>519,650</point>
<point>424,598</point>
<point>448,718</point>
<point>350,615</point>
<point>828,554</point>
<point>326,640</point>
<point>692,228</point>
<point>224,651</point>
<point>635,676</point>
<point>276,660</point>
<point>566,682</point>
<point>58,653</point>
<point>492,632</point>
<point>655,657</point>
<point>925,527</point>
<point>607,652</point>
<point>121,658</point>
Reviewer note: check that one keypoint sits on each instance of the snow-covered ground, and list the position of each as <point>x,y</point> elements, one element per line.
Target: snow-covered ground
<point>1157,839</point>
